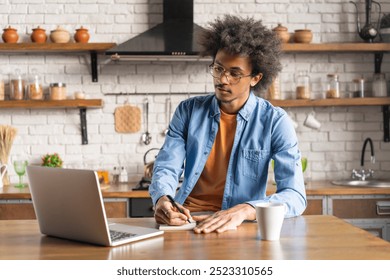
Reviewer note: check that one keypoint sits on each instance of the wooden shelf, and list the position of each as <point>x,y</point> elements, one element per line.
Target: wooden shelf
<point>48,104</point>
<point>55,47</point>
<point>81,104</point>
<point>368,101</point>
<point>337,47</point>
<point>92,48</point>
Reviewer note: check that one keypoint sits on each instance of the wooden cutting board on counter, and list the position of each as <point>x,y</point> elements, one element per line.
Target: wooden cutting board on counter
<point>127,119</point>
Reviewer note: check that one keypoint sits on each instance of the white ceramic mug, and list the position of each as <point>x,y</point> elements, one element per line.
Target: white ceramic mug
<point>3,169</point>
<point>311,121</point>
<point>270,217</point>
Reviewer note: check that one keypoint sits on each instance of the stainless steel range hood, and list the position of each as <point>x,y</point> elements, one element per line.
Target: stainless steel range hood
<point>174,39</point>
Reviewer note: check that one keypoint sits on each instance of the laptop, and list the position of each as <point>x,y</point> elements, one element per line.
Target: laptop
<point>68,204</point>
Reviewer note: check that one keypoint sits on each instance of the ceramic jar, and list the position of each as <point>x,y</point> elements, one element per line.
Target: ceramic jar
<point>38,35</point>
<point>59,35</point>
<point>303,36</point>
<point>10,35</point>
<point>282,33</point>
<point>81,35</point>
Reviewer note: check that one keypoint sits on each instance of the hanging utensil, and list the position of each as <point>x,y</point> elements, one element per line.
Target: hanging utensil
<point>168,108</point>
<point>146,137</point>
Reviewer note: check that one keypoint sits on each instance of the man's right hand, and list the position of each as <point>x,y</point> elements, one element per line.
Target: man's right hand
<point>166,213</point>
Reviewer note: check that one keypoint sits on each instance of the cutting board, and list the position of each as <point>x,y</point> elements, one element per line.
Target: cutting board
<point>127,119</point>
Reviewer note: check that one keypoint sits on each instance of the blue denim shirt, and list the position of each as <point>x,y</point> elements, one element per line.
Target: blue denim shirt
<point>263,132</point>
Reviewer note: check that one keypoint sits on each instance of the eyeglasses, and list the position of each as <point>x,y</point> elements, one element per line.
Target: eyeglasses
<point>232,76</point>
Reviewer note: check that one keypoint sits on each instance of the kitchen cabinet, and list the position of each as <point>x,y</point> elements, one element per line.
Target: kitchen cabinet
<point>23,209</point>
<point>315,205</point>
<point>368,212</point>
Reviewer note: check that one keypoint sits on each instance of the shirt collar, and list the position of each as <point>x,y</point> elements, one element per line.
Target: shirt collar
<point>245,111</point>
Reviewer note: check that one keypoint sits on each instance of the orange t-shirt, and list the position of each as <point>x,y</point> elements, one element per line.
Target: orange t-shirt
<point>208,191</point>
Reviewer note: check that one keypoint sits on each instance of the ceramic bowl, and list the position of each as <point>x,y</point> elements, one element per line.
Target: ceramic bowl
<point>303,36</point>
<point>59,35</point>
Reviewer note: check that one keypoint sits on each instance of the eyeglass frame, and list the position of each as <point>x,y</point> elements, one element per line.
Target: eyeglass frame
<point>226,73</point>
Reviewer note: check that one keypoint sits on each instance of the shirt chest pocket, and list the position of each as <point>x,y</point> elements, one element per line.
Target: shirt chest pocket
<point>253,162</point>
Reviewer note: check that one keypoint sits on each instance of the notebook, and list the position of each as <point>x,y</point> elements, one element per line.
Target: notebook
<point>68,204</point>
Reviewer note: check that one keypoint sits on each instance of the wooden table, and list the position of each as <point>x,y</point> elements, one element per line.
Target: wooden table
<point>304,237</point>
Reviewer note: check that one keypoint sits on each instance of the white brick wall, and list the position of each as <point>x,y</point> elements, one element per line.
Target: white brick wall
<point>333,151</point>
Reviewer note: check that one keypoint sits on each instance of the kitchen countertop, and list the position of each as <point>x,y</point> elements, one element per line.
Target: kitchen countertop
<point>126,190</point>
<point>304,237</point>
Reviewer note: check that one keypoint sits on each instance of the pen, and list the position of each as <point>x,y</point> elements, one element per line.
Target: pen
<point>175,205</point>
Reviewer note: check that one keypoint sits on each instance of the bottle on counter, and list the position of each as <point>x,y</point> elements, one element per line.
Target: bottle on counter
<point>303,85</point>
<point>17,86</point>
<point>123,175</point>
<point>333,86</point>
<point>115,175</point>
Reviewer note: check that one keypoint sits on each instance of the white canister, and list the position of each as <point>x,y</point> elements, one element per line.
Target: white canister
<point>379,87</point>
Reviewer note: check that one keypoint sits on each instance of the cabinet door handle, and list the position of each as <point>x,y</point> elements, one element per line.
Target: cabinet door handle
<point>383,208</point>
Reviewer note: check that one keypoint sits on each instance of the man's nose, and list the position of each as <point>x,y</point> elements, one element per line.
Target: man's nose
<point>225,76</point>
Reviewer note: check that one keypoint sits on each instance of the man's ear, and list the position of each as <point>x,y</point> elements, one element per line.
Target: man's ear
<point>256,79</point>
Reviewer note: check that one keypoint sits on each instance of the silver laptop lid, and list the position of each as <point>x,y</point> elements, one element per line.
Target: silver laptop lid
<point>68,204</point>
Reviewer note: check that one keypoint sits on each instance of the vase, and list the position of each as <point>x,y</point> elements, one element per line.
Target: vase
<point>38,35</point>
<point>81,35</point>
<point>10,35</point>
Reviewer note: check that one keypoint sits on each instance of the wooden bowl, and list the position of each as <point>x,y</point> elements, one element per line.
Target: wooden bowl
<point>303,36</point>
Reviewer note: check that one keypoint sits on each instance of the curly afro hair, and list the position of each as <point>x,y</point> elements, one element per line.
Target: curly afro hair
<point>245,37</point>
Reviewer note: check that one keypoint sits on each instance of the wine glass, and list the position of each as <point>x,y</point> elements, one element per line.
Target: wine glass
<point>20,169</point>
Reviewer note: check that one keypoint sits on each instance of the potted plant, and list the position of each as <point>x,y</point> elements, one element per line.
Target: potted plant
<point>384,28</point>
<point>52,160</point>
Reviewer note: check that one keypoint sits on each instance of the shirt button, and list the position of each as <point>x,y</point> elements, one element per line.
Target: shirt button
<point>196,173</point>
<point>205,153</point>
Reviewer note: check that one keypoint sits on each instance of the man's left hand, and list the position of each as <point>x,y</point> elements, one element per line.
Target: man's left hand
<point>225,219</point>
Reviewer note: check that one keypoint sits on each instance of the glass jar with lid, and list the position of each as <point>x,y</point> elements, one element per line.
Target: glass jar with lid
<point>57,91</point>
<point>333,86</point>
<point>358,87</point>
<point>2,92</point>
<point>17,86</point>
<point>34,87</point>
<point>303,85</point>
<point>379,85</point>
<point>274,89</point>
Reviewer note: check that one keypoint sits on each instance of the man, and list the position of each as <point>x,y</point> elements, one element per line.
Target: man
<point>224,142</point>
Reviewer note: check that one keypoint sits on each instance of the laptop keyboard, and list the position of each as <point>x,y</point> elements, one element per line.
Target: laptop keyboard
<point>118,235</point>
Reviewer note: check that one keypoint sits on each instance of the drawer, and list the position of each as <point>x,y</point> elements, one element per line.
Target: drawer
<point>17,211</point>
<point>141,207</point>
<point>314,207</point>
<point>361,208</point>
<point>116,209</point>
